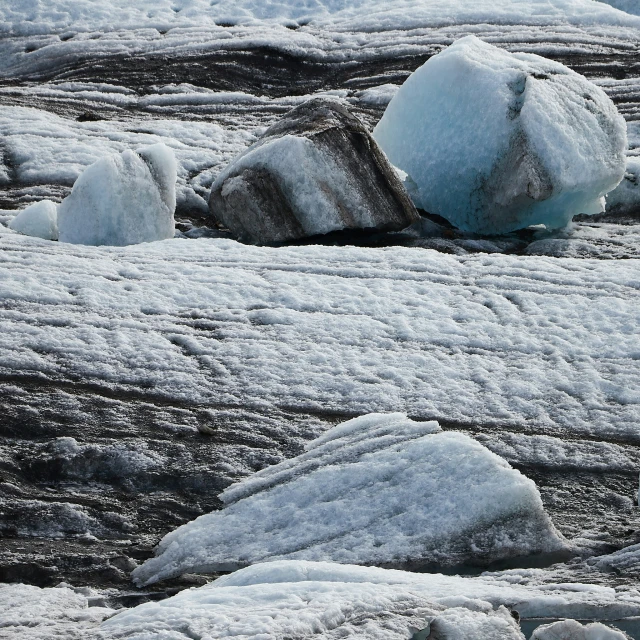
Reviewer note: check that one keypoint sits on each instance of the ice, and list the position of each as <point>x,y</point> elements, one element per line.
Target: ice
<point>59,613</point>
<point>630,6</point>
<point>625,198</point>
<point>524,140</point>
<point>532,342</point>
<point>39,220</point>
<point>121,200</point>
<point>293,598</point>
<point>380,489</point>
<point>572,630</point>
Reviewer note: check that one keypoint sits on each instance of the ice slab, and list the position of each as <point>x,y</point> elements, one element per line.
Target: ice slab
<point>122,200</point>
<point>58,613</point>
<point>288,598</point>
<point>494,141</point>
<point>39,220</point>
<point>379,489</point>
<point>313,609</point>
<point>573,630</point>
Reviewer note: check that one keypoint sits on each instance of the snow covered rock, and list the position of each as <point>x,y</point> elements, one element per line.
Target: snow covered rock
<point>123,199</point>
<point>315,171</point>
<point>379,489</point>
<point>573,630</point>
<point>495,141</point>
<point>39,220</point>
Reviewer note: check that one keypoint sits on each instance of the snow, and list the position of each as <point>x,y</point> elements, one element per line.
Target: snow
<point>572,630</point>
<point>39,220</point>
<point>23,17</point>
<point>525,140</point>
<point>121,200</point>
<point>380,489</point>
<point>298,598</point>
<point>59,613</point>
<point>488,340</point>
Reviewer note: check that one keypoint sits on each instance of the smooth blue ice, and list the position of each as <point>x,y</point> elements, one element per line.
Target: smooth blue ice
<point>494,141</point>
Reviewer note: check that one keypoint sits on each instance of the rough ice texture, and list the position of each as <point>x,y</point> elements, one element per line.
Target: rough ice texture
<point>21,17</point>
<point>39,220</point>
<point>625,198</point>
<point>573,630</point>
<point>524,140</point>
<point>488,340</point>
<point>379,489</point>
<point>328,610</point>
<point>121,200</point>
<point>299,598</point>
<point>58,613</point>
<point>315,171</point>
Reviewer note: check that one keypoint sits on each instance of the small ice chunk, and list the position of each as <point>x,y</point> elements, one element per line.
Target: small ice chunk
<point>496,141</point>
<point>39,220</point>
<point>573,630</point>
<point>379,489</point>
<point>123,199</point>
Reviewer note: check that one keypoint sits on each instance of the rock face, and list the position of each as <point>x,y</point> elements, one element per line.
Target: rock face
<point>380,490</point>
<point>121,200</point>
<point>317,170</point>
<point>38,220</point>
<point>494,141</point>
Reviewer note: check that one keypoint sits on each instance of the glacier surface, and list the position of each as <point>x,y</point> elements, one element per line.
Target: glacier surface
<point>495,142</point>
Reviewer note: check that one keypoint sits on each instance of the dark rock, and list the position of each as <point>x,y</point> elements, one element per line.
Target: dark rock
<point>314,172</point>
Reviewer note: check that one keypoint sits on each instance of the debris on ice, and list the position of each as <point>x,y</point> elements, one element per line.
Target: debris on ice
<point>315,171</point>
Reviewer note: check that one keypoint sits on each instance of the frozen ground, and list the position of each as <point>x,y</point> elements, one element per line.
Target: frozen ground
<point>172,370</point>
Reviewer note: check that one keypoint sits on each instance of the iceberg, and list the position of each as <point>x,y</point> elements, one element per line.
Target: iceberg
<point>121,200</point>
<point>380,489</point>
<point>39,220</point>
<point>495,142</point>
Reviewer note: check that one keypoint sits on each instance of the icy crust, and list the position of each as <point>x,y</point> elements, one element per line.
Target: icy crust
<point>380,490</point>
<point>121,200</point>
<point>39,220</point>
<point>573,630</point>
<point>489,340</point>
<point>294,598</point>
<point>311,609</point>
<point>59,613</point>
<point>525,140</point>
<point>22,17</point>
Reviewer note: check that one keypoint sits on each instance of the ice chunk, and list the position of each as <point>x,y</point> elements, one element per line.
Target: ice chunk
<point>573,630</point>
<point>59,613</point>
<point>123,199</point>
<point>625,198</point>
<point>39,220</point>
<point>315,171</point>
<point>380,489</point>
<point>496,141</point>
